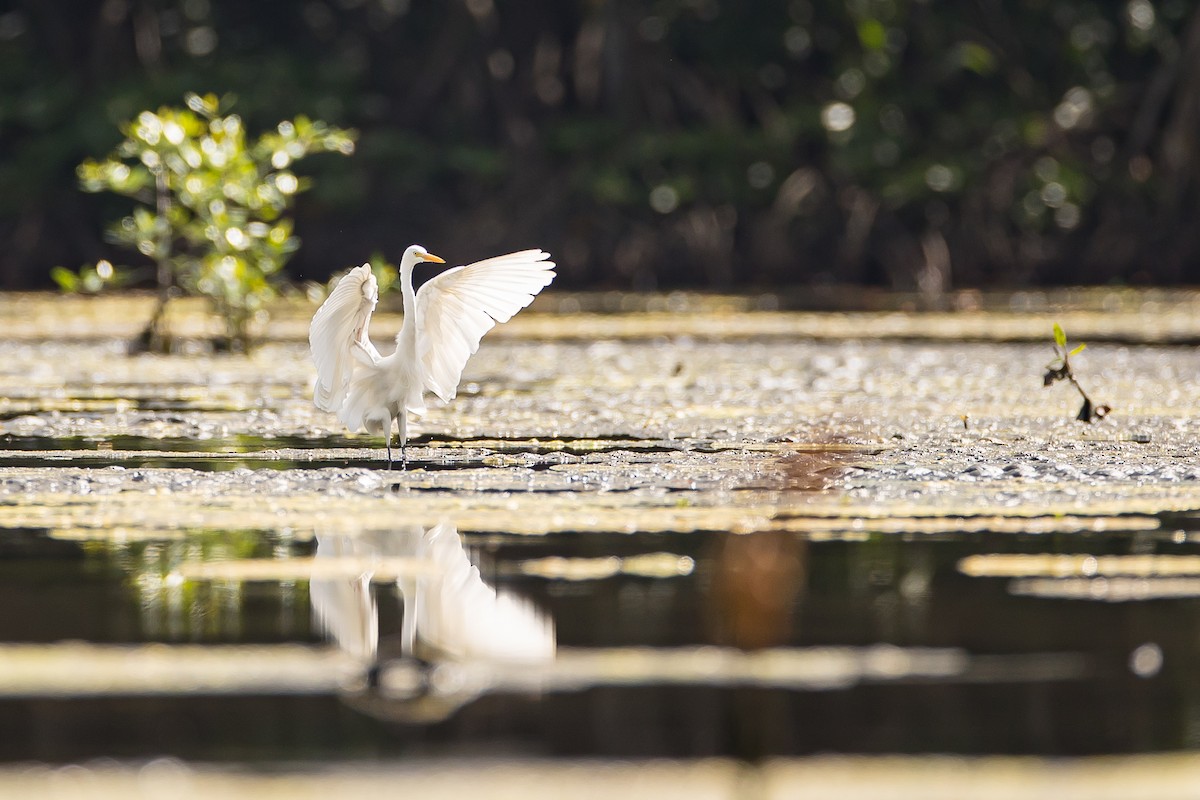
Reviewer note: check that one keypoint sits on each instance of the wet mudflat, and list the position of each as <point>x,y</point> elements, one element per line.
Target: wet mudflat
<point>702,533</point>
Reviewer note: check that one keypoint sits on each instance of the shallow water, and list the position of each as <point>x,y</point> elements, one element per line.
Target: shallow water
<point>757,644</point>
<point>655,545</point>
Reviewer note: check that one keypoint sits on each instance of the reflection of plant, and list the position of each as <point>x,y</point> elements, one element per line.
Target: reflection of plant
<point>1060,369</point>
<point>175,607</point>
<point>212,203</point>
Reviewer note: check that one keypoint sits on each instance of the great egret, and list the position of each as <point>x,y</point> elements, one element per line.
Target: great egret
<point>443,324</point>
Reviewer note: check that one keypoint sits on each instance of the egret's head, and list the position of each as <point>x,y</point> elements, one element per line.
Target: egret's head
<point>416,254</point>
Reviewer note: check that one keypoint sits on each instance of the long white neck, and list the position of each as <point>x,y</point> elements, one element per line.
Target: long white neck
<point>407,339</point>
<point>406,286</point>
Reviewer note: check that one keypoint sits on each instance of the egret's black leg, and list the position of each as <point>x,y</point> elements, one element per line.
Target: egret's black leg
<point>402,429</point>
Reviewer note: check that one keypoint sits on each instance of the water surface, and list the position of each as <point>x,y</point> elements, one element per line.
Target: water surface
<point>760,537</point>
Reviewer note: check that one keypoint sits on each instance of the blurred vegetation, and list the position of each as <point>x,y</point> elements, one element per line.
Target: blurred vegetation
<point>172,608</point>
<point>93,278</point>
<point>917,145</point>
<point>211,205</point>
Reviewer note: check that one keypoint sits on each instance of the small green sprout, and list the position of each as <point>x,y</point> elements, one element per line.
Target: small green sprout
<point>1060,369</point>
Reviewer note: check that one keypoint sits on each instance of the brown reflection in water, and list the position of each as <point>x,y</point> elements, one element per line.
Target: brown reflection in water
<point>757,579</point>
<point>818,465</point>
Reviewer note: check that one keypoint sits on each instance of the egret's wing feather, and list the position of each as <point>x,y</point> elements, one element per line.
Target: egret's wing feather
<point>338,335</point>
<point>455,309</point>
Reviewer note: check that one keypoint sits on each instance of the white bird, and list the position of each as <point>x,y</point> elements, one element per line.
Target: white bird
<point>443,324</point>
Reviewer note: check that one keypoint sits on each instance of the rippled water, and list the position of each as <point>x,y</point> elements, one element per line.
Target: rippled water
<point>654,546</point>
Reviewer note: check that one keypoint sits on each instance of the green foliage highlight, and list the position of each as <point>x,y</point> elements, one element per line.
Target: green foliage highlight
<point>212,202</point>
<point>92,278</point>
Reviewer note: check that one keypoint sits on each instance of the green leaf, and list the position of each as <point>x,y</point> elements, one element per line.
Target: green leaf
<point>1077,349</point>
<point>1060,337</point>
<point>207,106</point>
<point>872,34</point>
<point>67,280</point>
<point>976,57</point>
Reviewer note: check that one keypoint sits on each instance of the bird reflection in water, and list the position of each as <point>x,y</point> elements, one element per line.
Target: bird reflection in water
<point>450,613</point>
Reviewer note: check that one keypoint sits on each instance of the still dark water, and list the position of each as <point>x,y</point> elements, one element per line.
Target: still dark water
<point>1095,672</point>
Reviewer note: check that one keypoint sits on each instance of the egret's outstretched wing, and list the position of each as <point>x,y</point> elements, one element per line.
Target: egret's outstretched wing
<point>338,335</point>
<point>455,309</point>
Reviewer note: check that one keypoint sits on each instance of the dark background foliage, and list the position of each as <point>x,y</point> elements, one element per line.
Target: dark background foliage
<point>695,143</point>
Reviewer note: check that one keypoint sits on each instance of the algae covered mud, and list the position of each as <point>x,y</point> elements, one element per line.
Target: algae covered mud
<point>691,532</point>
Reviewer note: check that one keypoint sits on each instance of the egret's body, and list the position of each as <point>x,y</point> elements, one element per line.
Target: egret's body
<point>443,324</point>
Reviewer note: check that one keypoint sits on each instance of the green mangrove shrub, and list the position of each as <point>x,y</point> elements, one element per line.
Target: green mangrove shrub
<point>211,205</point>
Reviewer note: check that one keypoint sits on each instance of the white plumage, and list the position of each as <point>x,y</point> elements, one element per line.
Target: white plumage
<point>448,607</point>
<point>443,324</point>
<point>345,607</point>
